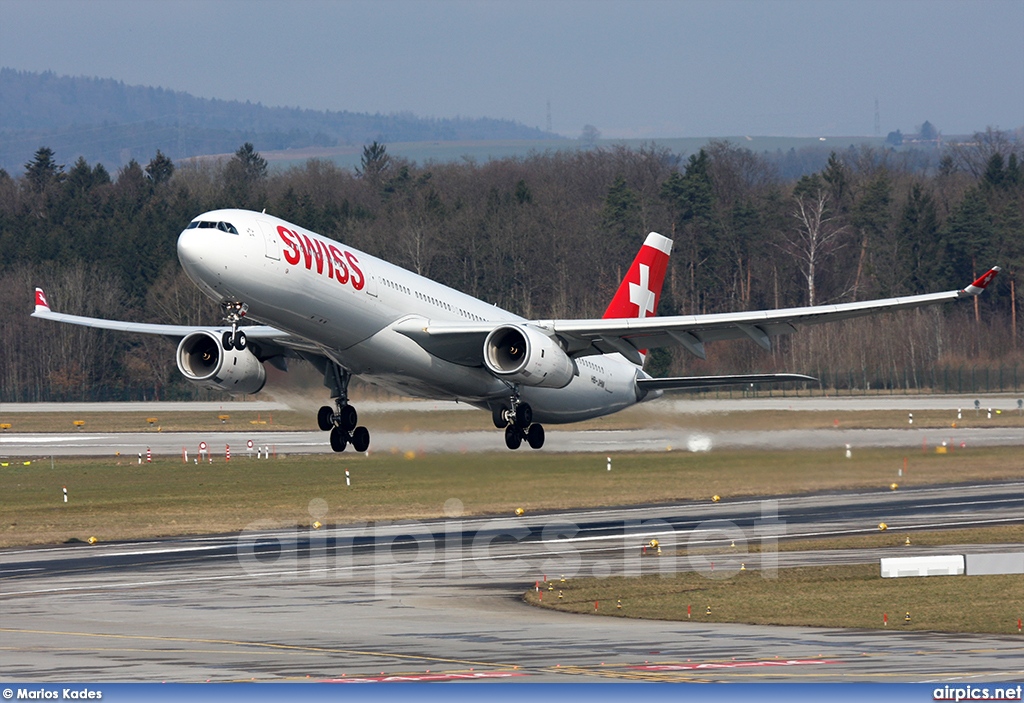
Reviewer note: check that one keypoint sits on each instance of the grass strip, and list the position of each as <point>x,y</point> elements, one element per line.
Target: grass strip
<point>115,498</point>
<point>827,596</point>
<point>644,416</point>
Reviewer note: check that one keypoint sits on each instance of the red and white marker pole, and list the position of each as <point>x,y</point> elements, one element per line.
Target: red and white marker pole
<point>149,455</point>
<point>227,452</point>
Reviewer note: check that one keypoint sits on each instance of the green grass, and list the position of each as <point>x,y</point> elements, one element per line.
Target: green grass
<point>827,596</point>
<point>896,539</point>
<point>118,499</point>
<point>187,421</point>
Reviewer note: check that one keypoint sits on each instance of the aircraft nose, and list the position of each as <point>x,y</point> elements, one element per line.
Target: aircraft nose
<point>189,246</point>
<point>193,252</point>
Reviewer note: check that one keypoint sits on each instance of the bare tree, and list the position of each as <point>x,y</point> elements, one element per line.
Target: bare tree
<point>589,135</point>
<point>818,234</point>
<point>973,156</point>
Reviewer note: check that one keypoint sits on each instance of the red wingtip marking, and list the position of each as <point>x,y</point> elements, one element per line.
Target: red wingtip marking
<point>41,298</point>
<point>986,278</point>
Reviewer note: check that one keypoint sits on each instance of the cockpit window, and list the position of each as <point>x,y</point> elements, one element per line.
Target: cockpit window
<point>222,226</point>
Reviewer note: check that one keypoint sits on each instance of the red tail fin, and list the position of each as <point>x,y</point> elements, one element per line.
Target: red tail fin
<point>640,290</point>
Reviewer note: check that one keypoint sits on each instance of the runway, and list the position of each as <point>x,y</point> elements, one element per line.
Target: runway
<point>440,600</point>
<point>559,441</point>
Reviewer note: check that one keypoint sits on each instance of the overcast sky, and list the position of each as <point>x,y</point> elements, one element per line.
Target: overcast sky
<point>632,69</point>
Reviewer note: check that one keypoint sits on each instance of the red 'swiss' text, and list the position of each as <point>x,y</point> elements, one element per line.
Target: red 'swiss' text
<point>326,258</point>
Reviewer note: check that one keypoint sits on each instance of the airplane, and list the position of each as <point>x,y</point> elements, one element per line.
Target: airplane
<point>349,313</point>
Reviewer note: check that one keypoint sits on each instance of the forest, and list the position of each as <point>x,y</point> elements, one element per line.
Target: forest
<point>546,236</point>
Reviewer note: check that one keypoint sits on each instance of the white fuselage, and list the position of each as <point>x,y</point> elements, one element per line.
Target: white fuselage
<point>347,303</point>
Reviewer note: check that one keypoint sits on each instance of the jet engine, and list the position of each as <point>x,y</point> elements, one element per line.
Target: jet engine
<point>524,354</point>
<point>204,361</point>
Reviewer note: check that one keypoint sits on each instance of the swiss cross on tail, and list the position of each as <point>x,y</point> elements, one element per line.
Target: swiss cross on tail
<point>640,290</point>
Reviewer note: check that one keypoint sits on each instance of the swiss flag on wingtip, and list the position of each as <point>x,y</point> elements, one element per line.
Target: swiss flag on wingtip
<point>982,283</point>
<point>41,304</point>
<point>640,291</point>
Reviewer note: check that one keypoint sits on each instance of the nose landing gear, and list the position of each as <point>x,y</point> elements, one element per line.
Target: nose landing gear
<point>234,311</point>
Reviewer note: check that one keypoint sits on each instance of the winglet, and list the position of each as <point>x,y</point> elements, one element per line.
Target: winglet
<point>982,283</point>
<point>41,304</point>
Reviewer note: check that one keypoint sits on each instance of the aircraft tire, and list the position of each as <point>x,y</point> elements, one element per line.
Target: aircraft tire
<point>498,417</point>
<point>524,416</point>
<point>535,436</point>
<point>348,418</point>
<point>226,341</point>
<point>513,437</point>
<point>339,439</point>
<point>360,439</point>
<point>240,341</point>
<point>325,418</point>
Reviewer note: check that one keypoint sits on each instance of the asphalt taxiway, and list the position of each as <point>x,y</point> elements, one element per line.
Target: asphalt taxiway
<point>441,600</point>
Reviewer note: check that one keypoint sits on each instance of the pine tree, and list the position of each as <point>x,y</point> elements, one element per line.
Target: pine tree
<point>374,163</point>
<point>160,168</point>
<point>42,170</point>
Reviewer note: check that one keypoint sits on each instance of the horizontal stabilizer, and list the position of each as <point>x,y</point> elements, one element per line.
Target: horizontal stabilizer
<point>684,382</point>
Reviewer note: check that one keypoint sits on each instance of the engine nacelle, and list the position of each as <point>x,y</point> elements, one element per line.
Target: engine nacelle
<point>202,360</point>
<point>524,354</point>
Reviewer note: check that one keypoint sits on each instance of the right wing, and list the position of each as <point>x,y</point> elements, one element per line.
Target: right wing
<point>269,336</point>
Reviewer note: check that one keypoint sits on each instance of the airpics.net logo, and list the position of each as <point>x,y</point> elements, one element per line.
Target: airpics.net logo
<point>507,549</point>
<point>978,693</point>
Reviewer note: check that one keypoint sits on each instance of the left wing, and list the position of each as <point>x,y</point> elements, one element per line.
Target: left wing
<point>462,343</point>
<point>692,331</point>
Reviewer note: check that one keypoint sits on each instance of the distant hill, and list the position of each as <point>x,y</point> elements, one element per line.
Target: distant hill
<point>106,121</point>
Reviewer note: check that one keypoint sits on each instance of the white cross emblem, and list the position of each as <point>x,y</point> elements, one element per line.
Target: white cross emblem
<point>641,295</point>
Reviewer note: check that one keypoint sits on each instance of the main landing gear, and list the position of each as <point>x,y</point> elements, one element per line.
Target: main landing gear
<point>342,420</point>
<point>519,425</point>
<point>233,311</point>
